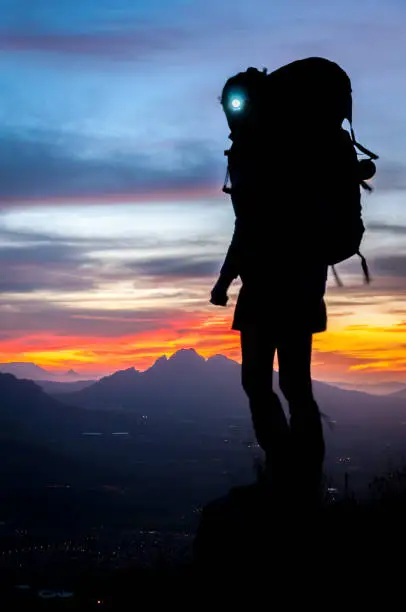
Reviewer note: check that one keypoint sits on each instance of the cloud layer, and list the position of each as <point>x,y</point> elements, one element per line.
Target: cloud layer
<point>39,166</point>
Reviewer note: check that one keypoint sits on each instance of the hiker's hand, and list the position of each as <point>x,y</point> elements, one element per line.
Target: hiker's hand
<point>219,295</point>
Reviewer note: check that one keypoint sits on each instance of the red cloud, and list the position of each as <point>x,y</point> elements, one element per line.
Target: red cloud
<point>159,195</point>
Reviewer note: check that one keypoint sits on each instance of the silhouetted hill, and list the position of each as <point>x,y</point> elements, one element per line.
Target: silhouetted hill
<point>107,393</point>
<point>42,439</point>
<point>35,437</point>
<point>26,406</point>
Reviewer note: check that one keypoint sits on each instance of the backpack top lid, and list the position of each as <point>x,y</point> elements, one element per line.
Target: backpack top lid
<point>311,88</point>
<point>289,101</point>
<point>305,90</point>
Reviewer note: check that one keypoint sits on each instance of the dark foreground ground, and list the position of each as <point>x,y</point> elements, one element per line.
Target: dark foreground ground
<point>253,544</point>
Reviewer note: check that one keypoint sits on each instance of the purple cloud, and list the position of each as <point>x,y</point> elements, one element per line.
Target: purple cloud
<point>37,166</point>
<point>113,45</point>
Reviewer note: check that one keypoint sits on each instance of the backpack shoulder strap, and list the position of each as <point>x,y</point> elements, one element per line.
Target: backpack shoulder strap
<point>360,147</point>
<point>226,189</point>
<point>365,269</point>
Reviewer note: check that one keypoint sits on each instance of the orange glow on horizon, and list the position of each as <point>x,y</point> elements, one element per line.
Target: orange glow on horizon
<point>349,352</point>
<point>209,336</point>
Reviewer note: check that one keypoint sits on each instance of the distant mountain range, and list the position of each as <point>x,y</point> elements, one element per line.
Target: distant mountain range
<point>31,371</point>
<point>25,370</point>
<point>186,383</point>
<point>185,386</point>
<point>70,381</point>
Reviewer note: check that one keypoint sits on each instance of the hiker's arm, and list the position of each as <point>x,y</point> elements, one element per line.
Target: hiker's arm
<point>231,266</point>
<point>229,270</point>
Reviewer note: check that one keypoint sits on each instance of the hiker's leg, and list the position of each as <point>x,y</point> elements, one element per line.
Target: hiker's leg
<point>269,421</point>
<point>294,356</point>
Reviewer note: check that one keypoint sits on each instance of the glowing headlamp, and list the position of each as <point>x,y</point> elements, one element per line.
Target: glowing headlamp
<point>236,103</point>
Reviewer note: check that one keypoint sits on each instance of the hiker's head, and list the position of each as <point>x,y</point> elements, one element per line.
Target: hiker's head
<point>242,100</point>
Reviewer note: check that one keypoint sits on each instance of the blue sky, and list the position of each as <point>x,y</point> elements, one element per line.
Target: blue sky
<point>111,159</point>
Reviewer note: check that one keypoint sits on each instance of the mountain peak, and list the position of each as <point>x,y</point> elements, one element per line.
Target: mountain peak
<point>219,358</point>
<point>179,363</point>
<point>129,374</point>
<point>71,373</point>
<point>186,355</point>
<point>157,365</point>
<point>162,359</point>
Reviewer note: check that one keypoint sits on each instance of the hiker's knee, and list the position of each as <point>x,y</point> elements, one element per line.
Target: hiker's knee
<point>255,381</point>
<point>249,378</point>
<point>295,389</point>
<point>286,385</point>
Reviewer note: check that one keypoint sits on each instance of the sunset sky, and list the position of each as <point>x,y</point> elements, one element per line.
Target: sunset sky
<point>112,221</point>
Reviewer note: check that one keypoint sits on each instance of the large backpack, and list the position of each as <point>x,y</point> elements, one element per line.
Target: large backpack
<point>300,105</point>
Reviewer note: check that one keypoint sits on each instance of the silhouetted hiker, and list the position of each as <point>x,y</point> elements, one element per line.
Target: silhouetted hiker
<point>295,188</point>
